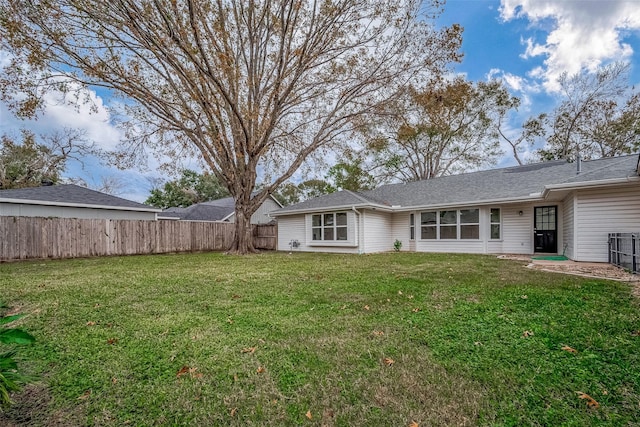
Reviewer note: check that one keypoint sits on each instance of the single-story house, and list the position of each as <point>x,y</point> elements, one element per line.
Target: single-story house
<point>553,207</point>
<point>71,201</point>
<point>220,210</point>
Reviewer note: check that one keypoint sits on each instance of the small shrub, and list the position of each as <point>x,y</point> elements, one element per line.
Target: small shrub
<point>397,245</point>
<point>10,377</point>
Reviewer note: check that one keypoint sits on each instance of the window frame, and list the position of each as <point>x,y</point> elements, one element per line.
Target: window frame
<point>412,226</point>
<point>330,224</point>
<point>476,224</point>
<point>493,223</point>
<point>443,222</point>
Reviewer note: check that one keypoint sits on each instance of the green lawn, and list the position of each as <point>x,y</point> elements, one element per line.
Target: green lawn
<point>320,339</point>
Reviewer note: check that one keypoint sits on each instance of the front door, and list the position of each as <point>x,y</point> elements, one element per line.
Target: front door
<point>545,231</point>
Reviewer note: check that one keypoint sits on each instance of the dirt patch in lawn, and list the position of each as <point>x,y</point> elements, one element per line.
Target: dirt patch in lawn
<point>32,407</point>
<point>599,270</point>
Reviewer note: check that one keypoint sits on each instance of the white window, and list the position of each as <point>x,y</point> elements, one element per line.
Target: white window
<point>470,224</point>
<point>412,227</point>
<point>428,225</point>
<point>495,224</point>
<point>329,226</point>
<point>450,225</point>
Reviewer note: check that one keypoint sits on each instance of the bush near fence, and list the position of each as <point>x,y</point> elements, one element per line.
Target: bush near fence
<point>33,237</point>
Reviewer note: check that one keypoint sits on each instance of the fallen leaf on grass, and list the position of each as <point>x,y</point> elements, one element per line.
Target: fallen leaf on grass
<point>236,296</point>
<point>308,415</point>
<point>569,349</point>
<point>233,412</point>
<point>410,297</point>
<point>260,370</point>
<point>399,292</point>
<point>378,333</point>
<point>591,402</point>
<point>114,380</point>
<point>112,341</point>
<point>182,371</point>
<point>85,395</point>
<point>527,334</point>
<point>91,323</point>
<point>415,310</point>
<point>187,370</point>
<point>414,424</point>
<point>366,307</point>
<point>249,350</point>
<point>635,333</point>
<point>388,361</point>
<point>229,320</point>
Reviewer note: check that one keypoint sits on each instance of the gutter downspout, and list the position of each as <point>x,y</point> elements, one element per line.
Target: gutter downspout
<point>357,242</point>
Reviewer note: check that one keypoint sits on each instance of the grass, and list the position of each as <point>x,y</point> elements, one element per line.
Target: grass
<point>321,339</point>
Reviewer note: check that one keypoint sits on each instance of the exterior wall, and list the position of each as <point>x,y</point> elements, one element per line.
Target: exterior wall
<point>599,212</point>
<point>400,230</point>
<point>298,227</point>
<point>480,246</point>
<point>261,216</point>
<point>378,231</point>
<point>16,209</point>
<point>517,230</point>
<point>568,223</point>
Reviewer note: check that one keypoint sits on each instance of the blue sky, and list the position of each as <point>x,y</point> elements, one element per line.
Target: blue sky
<point>527,43</point>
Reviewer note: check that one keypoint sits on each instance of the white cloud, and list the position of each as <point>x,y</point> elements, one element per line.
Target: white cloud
<point>583,34</point>
<point>524,88</point>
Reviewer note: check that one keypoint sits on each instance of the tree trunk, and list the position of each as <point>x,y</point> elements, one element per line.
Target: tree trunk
<point>243,234</point>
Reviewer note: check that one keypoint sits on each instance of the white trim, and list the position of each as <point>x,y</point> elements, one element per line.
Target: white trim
<point>589,184</point>
<point>76,205</point>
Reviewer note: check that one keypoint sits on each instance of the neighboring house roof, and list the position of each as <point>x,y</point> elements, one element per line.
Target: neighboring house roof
<point>213,210</point>
<point>70,195</point>
<point>496,185</point>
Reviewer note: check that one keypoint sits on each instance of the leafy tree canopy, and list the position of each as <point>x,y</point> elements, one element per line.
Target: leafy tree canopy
<point>32,160</point>
<point>187,190</point>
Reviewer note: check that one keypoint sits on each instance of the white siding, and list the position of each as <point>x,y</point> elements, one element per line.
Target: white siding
<point>517,230</point>
<point>568,229</point>
<point>400,230</point>
<point>16,209</point>
<point>378,234</point>
<point>261,216</point>
<point>599,212</point>
<point>298,227</point>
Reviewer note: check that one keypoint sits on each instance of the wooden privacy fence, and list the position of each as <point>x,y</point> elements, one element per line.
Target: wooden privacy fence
<point>32,237</point>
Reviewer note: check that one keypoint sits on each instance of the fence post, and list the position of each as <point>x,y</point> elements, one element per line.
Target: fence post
<point>634,262</point>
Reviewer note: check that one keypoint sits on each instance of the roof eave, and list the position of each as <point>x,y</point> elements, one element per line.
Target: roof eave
<point>589,184</point>
<point>76,205</point>
<point>333,208</point>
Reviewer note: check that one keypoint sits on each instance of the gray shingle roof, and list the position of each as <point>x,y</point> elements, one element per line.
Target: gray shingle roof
<point>213,210</point>
<point>510,183</point>
<point>65,194</point>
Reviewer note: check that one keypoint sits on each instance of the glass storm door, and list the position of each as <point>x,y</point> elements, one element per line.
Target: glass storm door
<point>545,229</point>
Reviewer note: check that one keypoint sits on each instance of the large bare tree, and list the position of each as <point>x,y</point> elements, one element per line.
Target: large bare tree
<point>245,85</point>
